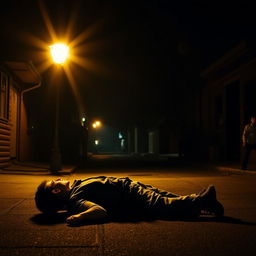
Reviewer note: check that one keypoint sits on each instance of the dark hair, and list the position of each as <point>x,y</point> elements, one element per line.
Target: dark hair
<point>46,201</point>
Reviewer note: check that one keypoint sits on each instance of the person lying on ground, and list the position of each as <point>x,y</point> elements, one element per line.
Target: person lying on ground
<point>95,198</point>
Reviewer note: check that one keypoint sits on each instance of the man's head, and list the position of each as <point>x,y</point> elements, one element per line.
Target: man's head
<point>51,195</point>
<point>253,119</point>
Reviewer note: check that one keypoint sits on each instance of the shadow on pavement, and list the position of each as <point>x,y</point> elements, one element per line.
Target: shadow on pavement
<point>43,219</point>
<point>226,219</point>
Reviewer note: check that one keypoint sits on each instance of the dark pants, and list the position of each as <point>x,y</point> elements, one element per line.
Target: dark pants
<point>163,203</point>
<point>246,154</point>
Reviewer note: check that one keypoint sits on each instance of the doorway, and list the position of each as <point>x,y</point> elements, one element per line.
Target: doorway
<point>233,136</point>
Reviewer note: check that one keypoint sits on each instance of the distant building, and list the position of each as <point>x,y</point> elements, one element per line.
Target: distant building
<point>16,78</point>
<point>228,100</point>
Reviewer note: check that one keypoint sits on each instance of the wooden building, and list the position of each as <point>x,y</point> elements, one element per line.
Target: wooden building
<point>17,78</point>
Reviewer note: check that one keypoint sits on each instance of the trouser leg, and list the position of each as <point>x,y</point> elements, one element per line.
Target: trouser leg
<point>246,155</point>
<point>164,193</point>
<point>182,206</point>
<point>159,191</point>
<point>169,206</point>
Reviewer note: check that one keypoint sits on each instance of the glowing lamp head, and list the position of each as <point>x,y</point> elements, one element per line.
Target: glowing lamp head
<point>59,52</point>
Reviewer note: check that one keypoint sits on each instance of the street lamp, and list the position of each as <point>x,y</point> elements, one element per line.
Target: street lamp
<point>59,53</point>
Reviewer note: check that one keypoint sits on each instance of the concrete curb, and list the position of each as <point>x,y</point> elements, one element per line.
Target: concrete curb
<point>234,170</point>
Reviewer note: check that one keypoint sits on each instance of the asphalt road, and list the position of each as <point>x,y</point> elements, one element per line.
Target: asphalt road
<point>23,231</point>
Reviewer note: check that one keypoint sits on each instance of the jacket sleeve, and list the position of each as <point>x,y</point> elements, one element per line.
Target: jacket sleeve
<point>78,206</point>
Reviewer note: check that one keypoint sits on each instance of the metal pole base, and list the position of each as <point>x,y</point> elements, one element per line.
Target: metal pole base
<point>55,164</point>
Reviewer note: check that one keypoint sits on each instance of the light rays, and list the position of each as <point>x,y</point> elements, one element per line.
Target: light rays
<point>47,21</point>
<point>86,34</point>
<point>75,45</point>
<point>70,28</point>
<point>86,63</point>
<point>34,41</point>
<point>44,65</point>
<point>74,88</point>
<point>80,45</point>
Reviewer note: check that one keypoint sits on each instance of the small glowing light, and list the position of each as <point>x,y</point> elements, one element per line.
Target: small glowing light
<point>83,119</point>
<point>59,52</point>
<point>96,124</point>
<point>96,142</point>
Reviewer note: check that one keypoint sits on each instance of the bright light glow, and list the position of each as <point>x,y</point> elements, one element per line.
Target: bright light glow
<point>96,124</point>
<point>96,142</point>
<point>83,119</point>
<point>59,52</point>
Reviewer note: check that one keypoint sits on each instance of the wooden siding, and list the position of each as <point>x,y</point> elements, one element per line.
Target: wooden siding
<point>5,143</point>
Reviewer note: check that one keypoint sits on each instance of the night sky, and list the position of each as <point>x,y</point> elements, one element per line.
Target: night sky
<point>142,53</point>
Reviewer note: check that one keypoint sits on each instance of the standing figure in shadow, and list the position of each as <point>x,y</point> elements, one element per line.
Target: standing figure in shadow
<point>249,141</point>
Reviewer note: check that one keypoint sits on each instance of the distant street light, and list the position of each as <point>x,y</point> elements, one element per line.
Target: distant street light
<point>96,124</point>
<point>59,52</point>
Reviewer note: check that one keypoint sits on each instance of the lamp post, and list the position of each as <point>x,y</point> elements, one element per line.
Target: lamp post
<point>59,53</point>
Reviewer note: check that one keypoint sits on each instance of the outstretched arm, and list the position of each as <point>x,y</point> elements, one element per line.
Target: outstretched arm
<point>94,212</point>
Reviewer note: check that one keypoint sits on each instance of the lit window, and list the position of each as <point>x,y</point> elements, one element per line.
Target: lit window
<point>4,92</point>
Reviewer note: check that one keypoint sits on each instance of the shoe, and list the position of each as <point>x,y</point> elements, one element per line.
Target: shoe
<point>209,202</point>
<point>202,191</point>
<point>208,194</point>
<point>216,209</point>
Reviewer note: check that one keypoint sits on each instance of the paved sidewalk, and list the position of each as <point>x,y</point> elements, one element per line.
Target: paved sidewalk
<point>36,168</point>
<point>235,168</point>
<point>99,161</point>
<point>24,231</point>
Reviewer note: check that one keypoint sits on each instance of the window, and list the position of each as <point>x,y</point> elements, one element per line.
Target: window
<point>4,92</point>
